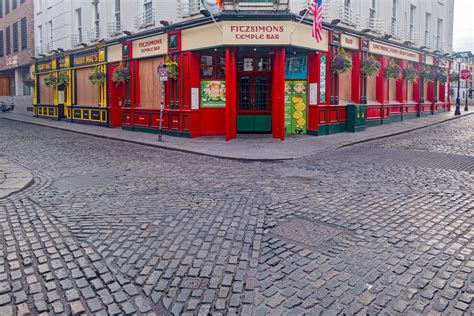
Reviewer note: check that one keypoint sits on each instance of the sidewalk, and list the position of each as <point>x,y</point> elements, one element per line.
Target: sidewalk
<point>246,147</point>
<point>13,178</point>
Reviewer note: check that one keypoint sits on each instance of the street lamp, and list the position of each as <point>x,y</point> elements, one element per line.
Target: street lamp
<point>458,100</point>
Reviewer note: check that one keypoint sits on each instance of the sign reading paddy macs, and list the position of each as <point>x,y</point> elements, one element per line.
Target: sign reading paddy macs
<point>89,58</point>
<point>46,66</point>
<point>256,32</point>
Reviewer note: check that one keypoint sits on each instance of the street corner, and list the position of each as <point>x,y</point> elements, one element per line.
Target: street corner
<point>13,178</point>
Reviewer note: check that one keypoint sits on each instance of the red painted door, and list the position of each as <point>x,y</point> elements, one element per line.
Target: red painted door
<point>116,97</point>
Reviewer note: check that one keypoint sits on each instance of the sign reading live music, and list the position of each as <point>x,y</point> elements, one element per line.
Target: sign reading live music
<point>256,32</point>
<point>150,46</point>
<point>391,51</point>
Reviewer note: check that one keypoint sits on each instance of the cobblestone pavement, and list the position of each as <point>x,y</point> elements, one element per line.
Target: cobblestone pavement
<point>115,228</point>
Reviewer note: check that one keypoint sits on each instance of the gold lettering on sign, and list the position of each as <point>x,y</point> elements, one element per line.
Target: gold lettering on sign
<point>256,32</point>
<point>393,51</point>
<point>150,46</point>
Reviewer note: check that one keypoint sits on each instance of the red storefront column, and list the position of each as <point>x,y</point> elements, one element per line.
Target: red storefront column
<point>231,93</point>
<point>356,76</point>
<point>278,89</point>
<point>416,89</point>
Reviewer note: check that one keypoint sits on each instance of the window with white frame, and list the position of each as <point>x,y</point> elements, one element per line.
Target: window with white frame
<point>79,25</point>
<point>50,29</point>
<point>96,19</point>
<point>439,36</point>
<point>394,11</point>
<point>427,28</point>
<point>40,38</point>
<point>148,9</point>
<point>372,10</point>
<point>412,20</point>
<point>118,22</point>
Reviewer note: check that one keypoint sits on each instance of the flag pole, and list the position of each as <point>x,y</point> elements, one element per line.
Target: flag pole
<point>213,19</point>
<point>302,18</point>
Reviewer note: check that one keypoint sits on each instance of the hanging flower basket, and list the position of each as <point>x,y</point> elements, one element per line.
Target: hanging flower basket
<point>50,81</point>
<point>29,82</point>
<point>341,63</point>
<point>441,76</point>
<point>97,77</point>
<point>62,81</point>
<point>410,74</point>
<point>392,71</point>
<point>172,68</point>
<point>121,74</point>
<point>428,74</point>
<point>371,66</point>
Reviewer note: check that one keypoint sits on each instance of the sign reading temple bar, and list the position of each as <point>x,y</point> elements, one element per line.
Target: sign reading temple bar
<point>256,33</point>
<point>395,52</point>
<point>150,46</point>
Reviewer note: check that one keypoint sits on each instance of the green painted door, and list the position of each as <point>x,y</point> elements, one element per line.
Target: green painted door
<point>254,104</point>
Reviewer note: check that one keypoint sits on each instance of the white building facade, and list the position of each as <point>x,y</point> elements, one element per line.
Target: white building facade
<point>419,23</point>
<point>65,24</point>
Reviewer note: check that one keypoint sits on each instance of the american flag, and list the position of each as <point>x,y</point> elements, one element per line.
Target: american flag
<point>316,7</point>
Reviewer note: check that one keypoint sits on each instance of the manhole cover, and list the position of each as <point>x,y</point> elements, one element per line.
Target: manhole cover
<point>306,232</point>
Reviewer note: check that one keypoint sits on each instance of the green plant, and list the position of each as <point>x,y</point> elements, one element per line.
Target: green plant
<point>441,76</point>
<point>97,77</point>
<point>410,74</point>
<point>172,67</point>
<point>62,81</point>
<point>121,74</point>
<point>50,81</point>
<point>453,77</point>
<point>370,66</point>
<point>341,62</point>
<point>29,82</point>
<point>428,73</point>
<point>393,70</point>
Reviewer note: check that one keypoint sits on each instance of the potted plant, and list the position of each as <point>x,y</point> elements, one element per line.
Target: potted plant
<point>97,77</point>
<point>172,67</point>
<point>29,82</point>
<point>393,70</point>
<point>441,76</point>
<point>371,66</point>
<point>62,81</point>
<point>341,62</point>
<point>50,81</point>
<point>428,73</point>
<point>121,74</point>
<point>410,74</point>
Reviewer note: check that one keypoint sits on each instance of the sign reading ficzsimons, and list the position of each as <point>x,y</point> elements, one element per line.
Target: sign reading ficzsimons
<point>150,46</point>
<point>258,33</point>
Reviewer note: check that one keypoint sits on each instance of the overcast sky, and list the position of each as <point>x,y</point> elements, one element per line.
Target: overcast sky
<point>463,25</point>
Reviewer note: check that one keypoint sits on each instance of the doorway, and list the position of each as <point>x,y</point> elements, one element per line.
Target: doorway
<point>254,90</point>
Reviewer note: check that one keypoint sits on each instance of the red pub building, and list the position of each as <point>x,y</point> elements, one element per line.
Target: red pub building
<point>259,73</point>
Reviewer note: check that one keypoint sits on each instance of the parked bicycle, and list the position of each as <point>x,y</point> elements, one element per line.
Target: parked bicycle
<point>7,106</point>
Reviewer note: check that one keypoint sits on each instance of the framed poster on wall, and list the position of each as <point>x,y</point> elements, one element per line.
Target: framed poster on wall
<point>296,67</point>
<point>322,78</point>
<point>213,93</point>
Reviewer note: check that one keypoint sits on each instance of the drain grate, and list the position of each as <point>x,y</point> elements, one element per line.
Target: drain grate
<point>306,232</point>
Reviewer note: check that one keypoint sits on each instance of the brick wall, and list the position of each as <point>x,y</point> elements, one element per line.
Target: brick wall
<point>15,15</point>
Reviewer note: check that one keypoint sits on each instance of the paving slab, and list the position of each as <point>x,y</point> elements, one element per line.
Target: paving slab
<point>246,147</point>
<point>13,178</point>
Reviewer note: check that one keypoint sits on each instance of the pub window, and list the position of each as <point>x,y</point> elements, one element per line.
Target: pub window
<point>150,84</point>
<point>15,37</point>
<point>7,41</point>
<point>24,41</point>
<point>1,44</point>
<point>254,60</point>
<point>213,65</point>
<point>14,4</point>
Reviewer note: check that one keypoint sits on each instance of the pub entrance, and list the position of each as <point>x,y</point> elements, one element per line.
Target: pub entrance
<point>254,90</point>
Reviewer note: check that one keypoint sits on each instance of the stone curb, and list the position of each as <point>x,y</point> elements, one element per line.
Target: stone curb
<point>16,179</point>
<point>245,159</point>
<point>403,132</point>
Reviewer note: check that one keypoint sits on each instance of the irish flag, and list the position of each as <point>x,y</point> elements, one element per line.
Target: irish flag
<point>213,6</point>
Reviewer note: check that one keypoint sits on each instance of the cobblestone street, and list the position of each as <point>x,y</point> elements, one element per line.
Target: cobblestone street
<point>113,228</point>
